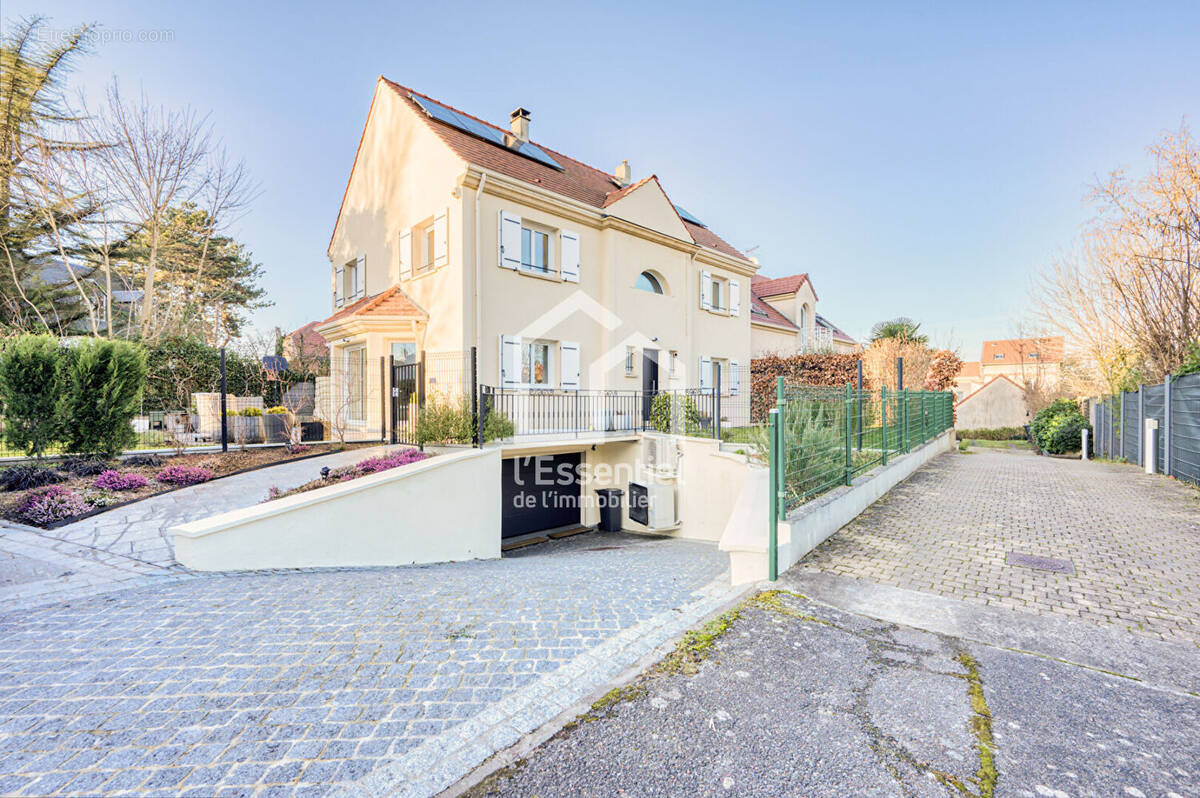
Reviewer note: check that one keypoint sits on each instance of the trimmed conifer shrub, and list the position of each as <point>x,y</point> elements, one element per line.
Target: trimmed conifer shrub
<point>101,392</point>
<point>28,379</point>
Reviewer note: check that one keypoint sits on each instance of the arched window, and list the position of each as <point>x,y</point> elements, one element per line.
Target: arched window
<point>646,281</point>
<point>804,327</point>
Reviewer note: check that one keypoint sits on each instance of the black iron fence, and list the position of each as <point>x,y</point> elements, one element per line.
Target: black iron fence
<point>1119,423</point>
<point>697,412</point>
<point>204,415</point>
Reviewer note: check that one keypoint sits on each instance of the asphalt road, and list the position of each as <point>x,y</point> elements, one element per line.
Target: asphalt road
<point>797,698</point>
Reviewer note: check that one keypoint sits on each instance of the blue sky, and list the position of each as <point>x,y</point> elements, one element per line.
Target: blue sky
<point>919,159</point>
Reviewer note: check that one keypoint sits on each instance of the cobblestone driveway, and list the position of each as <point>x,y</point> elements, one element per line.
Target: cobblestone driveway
<point>298,682</point>
<point>1133,540</point>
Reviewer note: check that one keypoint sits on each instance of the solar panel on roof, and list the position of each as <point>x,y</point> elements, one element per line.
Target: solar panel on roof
<point>482,131</point>
<point>687,217</point>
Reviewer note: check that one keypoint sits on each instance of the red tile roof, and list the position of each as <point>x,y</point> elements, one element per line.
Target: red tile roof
<point>985,386</point>
<point>1016,350</point>
<point>762,313</point>
<point>577,180</point>
<point>766,286</point>
<point>392,302</point>
<point>969,370</point>
<point>311,342</point>
<point>621,193</point>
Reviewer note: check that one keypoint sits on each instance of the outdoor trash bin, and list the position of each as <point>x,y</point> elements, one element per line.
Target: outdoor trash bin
<point>610,509</point>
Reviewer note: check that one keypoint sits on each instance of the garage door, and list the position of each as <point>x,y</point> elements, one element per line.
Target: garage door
<point>539,493</point>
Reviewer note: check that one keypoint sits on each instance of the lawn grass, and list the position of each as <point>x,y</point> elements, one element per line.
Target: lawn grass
<point>1018,445</point>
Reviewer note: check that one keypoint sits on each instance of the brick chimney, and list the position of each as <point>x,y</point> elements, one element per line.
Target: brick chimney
<point>624,174</point>
<point>519,124</point>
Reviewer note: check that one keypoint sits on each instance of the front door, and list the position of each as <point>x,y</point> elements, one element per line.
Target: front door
<point>649,381</point>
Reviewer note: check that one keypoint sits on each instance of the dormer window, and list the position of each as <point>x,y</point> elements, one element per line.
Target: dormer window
<point>998,356</point>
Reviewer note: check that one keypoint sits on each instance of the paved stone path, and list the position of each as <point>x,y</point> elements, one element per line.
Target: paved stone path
<point>36,569</point>
<point>139,531</point>
<point>1133,540</point>
<point>383,681</point>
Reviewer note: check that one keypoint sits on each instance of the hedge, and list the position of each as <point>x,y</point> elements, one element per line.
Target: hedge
<point>823,369</point>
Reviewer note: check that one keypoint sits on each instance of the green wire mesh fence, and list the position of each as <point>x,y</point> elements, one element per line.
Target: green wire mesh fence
<point>829,436</point>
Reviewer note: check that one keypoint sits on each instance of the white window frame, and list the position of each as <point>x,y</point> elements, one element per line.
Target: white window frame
<point>631,361</point>
<point>551,367</point>
<point>672,363</point>
<point>350,280</point>
<point>426,249</point>
<point>537,230</point>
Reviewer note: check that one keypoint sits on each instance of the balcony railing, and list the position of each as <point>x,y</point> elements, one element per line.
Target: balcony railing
<point>693,411</point>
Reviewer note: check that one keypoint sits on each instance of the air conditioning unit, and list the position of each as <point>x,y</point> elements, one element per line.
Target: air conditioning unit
<point>660,454</point>
<point>652,504</point>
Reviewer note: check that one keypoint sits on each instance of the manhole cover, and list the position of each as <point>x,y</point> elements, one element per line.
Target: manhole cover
<point>1040,563</point>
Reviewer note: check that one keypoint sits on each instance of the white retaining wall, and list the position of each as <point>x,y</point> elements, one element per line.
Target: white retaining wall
<point>745,536</point>
<point>437,510</point>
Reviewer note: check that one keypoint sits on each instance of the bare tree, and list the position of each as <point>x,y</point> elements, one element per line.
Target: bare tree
<point>155,159</point>
<point>1129,298</point>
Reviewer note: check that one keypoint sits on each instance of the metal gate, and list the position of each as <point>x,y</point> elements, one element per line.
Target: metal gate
<point>408,389</point>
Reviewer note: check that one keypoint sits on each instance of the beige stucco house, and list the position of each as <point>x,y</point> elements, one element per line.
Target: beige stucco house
<point>572,284</point>
<point>1036,361</point>
<point>784,319</point>
<point>1000,402</point>
<point>455,233</point>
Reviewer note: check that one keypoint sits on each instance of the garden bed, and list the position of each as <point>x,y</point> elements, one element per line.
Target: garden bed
<point>82,488</point>
<point>371,465</point>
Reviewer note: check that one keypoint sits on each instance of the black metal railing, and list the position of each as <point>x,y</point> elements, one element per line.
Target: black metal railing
<point>700,412</point>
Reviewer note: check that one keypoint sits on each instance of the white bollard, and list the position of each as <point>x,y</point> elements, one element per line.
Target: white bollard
<point>1150,445</point>
<point>1084,453</point>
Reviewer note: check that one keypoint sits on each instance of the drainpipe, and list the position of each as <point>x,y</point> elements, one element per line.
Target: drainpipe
<point>479,267</point>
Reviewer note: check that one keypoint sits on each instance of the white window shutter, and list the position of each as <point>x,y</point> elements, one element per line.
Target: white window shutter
<point>705,373</point>
<point>406,255</point>
<point>735,378</point>
<point>339,278</point>
<point>735,298</point>
<point>569,252</point>
<point>360,277</point>
<point>509,236</point>
<point>568,359</point>
<point>441,240</point>
<point>510,361</point>
<point>706,290</point>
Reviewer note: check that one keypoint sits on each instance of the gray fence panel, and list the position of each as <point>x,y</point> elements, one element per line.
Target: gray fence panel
<point>1185,428</point>
<point>1131,431</point>
<point>1109,428</point>
<point>1154,406</point>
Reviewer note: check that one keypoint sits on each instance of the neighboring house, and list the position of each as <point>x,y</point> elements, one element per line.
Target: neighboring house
<point>306,349</point>
<point>1000,402</point>
<point>1033,361</point>
<point>126,299</point>
<point>784,319</point>
<point>581,291</point>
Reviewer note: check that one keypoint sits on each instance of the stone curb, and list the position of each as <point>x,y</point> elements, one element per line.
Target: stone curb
<point>442,761</point>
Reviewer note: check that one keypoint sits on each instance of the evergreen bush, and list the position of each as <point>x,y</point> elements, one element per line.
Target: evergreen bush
<point>29,367</point>
<point>101,392</point>
<point>1058,428</point>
